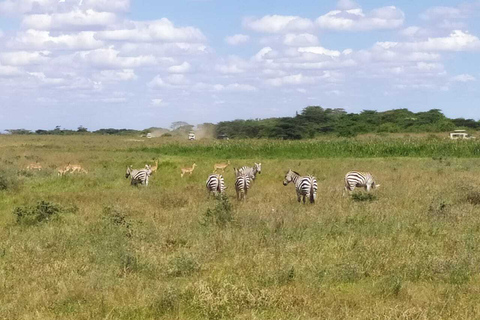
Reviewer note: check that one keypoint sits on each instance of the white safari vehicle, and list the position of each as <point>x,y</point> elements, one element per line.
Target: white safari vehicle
<point>191,136</point>
<point>460,134</point>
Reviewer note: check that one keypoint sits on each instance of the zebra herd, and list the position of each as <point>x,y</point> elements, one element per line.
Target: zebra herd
<point>244,177</point>
<point>305,186</point>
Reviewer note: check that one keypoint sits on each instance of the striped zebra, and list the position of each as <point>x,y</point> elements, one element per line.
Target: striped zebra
<point>138,176</point>
<point>242,184</point>
<point>251,172</point>
<point>305,186</point>
<point>215,184</point>
<point>358,179</point>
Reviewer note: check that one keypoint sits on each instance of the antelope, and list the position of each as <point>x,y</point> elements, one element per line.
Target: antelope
<point>34,166</point>
<point>221,166</point>
<point>75,168</point>
<point>188,170</point>
<point>155,167</point>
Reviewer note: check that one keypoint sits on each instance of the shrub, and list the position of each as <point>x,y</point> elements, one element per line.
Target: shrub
<point>182,265</point>
<point>473,197</point>
<point>362,197</point>
<point>41,212</point>
<point>9,180</point>
<point>118,217</point>
<point>221,215</point>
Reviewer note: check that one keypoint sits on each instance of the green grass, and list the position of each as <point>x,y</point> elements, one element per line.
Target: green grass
<point>112,251</point>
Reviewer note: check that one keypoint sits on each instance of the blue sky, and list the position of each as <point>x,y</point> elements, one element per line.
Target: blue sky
<point>137,64</point>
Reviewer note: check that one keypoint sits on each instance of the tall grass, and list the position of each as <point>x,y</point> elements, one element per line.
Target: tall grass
<point>96,248</point>
<point>312,149</point>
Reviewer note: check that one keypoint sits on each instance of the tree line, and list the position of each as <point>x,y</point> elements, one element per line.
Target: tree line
<point>312,121</point>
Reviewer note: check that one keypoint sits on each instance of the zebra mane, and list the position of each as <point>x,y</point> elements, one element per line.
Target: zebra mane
<point>298,174</point>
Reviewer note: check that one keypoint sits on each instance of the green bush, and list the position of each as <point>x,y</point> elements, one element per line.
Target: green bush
<point>221,215</point>
<point>182,265</point>
<point>9,180</point>
<point>42,211</point>
<point>361,197</point>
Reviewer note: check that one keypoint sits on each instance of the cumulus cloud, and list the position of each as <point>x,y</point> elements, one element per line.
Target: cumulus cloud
<point>34,39</point>
<point>116,75</point>
<point>463,78</point>
<point>76,19</point>
<point>111,58</point>
<point>296,79</point>
<point>159,30</point>
<point>456,41</point>
<point>48,6</point>
<point>235,87</point>
<point>182,68</point>
<point>356,20</point>
<point>299,40</point>
<point>23,58</point>
<point>278,24</point>
<point>237,39</point>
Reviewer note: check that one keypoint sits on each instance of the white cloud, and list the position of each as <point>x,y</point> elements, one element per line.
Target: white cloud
<point>278,24</point>
<point>237,39</point>
<point>116,75</point>
<point>34,39</point>
<point>463,78</point>
<point>48,6</point>
<point>182,68</point>
<point>76,19</point>
<point>235,87</point>
<point>110,58</point>
<point>9,71</point>
<point>440,13</point>
<point>319,51</point>
<point>356,20</point>
<point>297,79</point>
<point>347,5</point>
<point>456,41</point>
<point>22,58</point>
<point>157,102</point>
<point>299,40</point>
<point>229,69</point>
<point>159,30</point>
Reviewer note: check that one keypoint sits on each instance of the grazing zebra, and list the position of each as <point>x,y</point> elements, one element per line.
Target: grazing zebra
<point>138,176</point>
<point>242,184</point>
<point>305,186</point>
<point>355,179</point>
<point>215,184</point>
<point>251,172</point>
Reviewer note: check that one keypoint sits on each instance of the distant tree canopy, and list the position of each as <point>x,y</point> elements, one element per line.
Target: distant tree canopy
<point>315,120</point>
<point>311,122</point>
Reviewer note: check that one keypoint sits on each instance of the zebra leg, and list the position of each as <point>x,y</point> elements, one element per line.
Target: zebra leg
<point>304,196</point>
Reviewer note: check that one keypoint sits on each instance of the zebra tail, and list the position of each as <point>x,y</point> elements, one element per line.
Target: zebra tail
<point>312,193</point>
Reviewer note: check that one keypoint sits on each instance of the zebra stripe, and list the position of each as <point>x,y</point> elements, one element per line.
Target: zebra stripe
<point>216,184</point>
<point>305,187</point>
<point>358,179</point>
<point>251,172</point>
<point>242,184</point>
<point>138,176</point>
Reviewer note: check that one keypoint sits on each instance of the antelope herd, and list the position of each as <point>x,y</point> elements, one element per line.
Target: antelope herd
<point>305,186</point>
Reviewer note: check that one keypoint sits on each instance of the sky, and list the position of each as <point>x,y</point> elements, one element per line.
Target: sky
<point>147,63</point>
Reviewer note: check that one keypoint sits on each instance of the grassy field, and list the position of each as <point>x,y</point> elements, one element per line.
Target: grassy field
<point>97,248</point>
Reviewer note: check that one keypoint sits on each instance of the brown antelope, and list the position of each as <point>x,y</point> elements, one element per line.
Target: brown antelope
<point>75,168</point>
<point>34,166</point>
<point>188,170</point>
<point>155,167</point>
<point>62,171</point>
<point>220,166</point>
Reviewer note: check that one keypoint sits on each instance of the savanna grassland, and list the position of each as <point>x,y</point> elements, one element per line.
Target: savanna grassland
<point>93,247</point>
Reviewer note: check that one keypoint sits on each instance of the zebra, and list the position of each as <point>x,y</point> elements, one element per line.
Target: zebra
<point>355,179</point>
<point>215,184</point>
<point>138,176</point>
<point>242,184</point>
<point>305,186</point>
<point>251,172</point>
